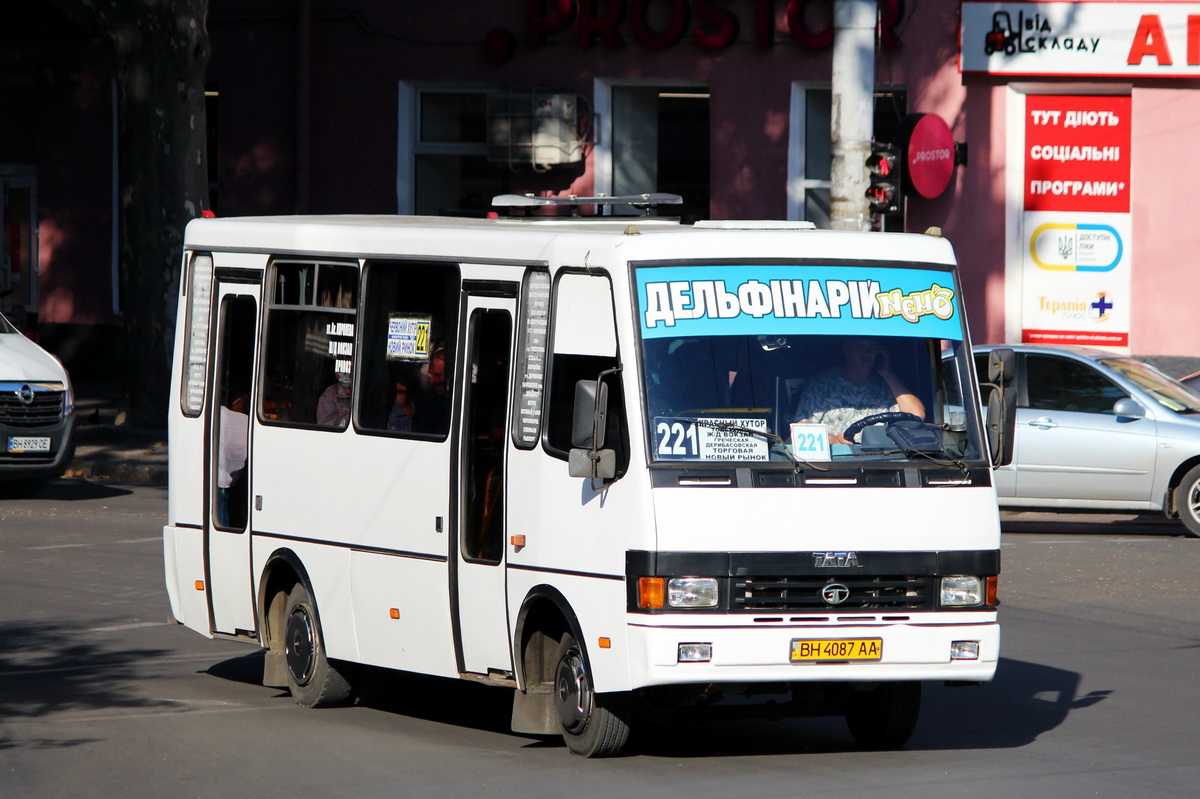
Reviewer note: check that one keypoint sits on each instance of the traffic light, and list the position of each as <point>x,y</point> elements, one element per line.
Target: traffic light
<point>883,169</point>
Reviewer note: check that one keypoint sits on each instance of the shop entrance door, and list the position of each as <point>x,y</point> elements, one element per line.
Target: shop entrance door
<point>655,137</point>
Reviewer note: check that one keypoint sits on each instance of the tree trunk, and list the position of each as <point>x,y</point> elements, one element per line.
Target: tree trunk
<point>163,183</point>
<point>162,51</point>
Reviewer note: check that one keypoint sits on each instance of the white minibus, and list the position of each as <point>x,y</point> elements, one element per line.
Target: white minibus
<point>617,466</point>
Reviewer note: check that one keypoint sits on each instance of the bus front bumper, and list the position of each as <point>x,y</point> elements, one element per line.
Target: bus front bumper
<point>954,647</point>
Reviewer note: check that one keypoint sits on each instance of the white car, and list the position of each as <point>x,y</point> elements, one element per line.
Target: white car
<point>37,412</point>
<point>1100,431</point>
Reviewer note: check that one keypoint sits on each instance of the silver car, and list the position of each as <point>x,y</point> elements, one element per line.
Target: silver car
<point>1101,431</point>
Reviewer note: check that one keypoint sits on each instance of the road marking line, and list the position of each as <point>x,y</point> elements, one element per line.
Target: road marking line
<point>19,670</point>
<point>169,709</point>
<point>156,539</point>
<point>119,627</point>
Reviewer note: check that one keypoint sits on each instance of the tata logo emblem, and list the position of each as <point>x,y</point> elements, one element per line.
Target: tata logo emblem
<point>835,593</point>
<point>25,394</point>
<point>836,560</point>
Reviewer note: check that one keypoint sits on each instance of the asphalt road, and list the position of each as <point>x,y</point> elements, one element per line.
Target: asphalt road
<point>1096,694</point>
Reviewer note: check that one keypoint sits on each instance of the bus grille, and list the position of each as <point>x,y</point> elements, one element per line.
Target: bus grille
<point>46,409</point>
<point>806,593</point>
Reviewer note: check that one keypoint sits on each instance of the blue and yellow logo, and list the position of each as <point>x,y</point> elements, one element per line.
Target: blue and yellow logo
<point>1068,247</point>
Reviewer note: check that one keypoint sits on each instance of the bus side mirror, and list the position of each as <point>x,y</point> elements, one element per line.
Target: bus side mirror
<point>1001,405</point>
<point>588,425</point>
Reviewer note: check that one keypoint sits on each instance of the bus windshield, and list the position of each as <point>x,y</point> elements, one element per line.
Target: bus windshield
<point>804,364</point>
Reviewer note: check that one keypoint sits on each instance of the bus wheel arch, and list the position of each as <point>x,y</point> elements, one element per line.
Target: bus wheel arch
<point>554,672</point>
<point>282,571</point>
<point>544,617</point>
<point>295,657</point>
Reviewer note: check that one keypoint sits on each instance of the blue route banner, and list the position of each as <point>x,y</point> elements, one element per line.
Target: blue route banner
<point>773,299</point>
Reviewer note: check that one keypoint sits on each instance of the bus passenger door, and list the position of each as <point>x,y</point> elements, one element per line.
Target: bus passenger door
<point>479,587</point>
<point>227,534</point>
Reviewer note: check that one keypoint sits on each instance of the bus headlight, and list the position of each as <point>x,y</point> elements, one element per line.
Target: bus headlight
<point>961,591</point>
<point>692,592</point>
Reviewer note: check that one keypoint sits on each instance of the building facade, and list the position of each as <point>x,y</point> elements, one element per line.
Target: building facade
<point>1077,232</point>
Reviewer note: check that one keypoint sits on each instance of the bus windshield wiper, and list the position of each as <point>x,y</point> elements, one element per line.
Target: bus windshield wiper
<point>941,457</point>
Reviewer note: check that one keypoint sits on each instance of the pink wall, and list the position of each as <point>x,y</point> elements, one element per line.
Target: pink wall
<point>75,190</point>
<point>358,58</point>
<point>971,212</point>
<point>1166,230</point>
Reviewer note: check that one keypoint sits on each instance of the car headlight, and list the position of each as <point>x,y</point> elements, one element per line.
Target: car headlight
<point>692,592</point>
<point>961,591</point>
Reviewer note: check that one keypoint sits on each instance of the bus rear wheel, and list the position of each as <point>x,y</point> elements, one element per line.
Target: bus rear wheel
<point>593,725</point>
<point>311,678</point>
<point>884,717</point>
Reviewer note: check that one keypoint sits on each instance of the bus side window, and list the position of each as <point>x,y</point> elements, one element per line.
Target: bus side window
<point>533,337</point>
<point>309,358</point>
<point>410,316</point>
<point>584,345</point>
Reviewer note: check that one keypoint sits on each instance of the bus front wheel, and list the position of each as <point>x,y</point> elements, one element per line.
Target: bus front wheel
<point>593,725</point>
<point>312,679</point>
<point>885,716</point>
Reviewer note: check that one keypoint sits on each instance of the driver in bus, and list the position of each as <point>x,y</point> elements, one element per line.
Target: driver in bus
<point>863,385</point>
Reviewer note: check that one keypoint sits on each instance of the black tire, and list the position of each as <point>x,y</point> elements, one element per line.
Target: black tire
<point>312,679</point>
<point>593,725</point>
<point>1187,501</point>
<point>885,716</point>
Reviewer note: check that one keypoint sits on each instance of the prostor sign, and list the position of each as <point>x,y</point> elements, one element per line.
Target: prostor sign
<point>929,154</point>
<point>659,24</point>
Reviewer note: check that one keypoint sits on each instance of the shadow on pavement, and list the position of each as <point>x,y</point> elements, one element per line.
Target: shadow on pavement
<point>47,669</point>
<point>246,669</point>
<point>1091,524</point>
<point>69,491</point>
<point>1025,701</point>
<point>415,695</point>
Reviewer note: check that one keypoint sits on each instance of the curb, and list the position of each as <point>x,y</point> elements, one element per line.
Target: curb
<point>119,472</point>
<point>113,453</point>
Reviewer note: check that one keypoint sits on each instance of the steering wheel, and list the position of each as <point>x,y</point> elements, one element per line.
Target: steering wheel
<point>877,418</point>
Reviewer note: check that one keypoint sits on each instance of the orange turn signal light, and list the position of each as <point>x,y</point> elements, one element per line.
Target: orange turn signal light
<point>199,585</point>
<point>650,592</point>
<point>394,613</point>
<point>991,587</point>
<point>605,643</point>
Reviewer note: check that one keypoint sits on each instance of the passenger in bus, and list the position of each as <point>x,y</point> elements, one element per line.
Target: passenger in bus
<point>862,386</point>
<point>400,418</point>
<point>231,463</point>
<point>333,407</point>
<point>433,405</point>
